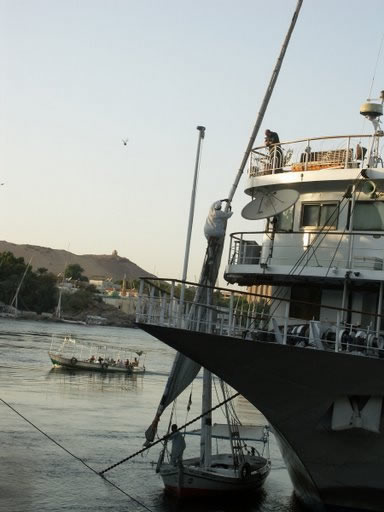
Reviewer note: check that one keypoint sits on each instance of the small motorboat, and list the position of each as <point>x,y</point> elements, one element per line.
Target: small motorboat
<point>75,355</point>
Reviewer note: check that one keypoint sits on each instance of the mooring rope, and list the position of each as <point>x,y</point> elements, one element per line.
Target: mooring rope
<point>75,456</point>
<point>147,447</point>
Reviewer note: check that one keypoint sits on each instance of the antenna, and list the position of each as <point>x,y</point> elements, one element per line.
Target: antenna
<point>266,203</point>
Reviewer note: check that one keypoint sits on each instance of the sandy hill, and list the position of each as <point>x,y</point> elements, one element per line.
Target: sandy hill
<point>94,265</point>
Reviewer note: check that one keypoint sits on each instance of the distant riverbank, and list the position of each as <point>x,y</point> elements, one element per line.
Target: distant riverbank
<point>102,315</point>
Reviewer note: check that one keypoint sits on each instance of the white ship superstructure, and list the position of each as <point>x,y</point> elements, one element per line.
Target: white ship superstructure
<point>309,354</point>
<point>328,246</point>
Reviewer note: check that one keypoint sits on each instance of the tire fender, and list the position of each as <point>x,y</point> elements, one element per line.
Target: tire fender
<point>245,471</point>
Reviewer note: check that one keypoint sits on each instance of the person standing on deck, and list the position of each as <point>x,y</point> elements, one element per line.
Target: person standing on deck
<point>178,446</point>
<point>272,141</point>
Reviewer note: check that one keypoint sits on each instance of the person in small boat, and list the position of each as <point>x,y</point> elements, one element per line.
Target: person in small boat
<point>127,363</point>
<point>178,446</point>
<point>272,141</point>
<point>92,359</point>
<point>100,360</point>
<point>135,362</point>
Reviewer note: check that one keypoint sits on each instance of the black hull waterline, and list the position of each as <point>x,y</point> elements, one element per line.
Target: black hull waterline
<point>296,389</point>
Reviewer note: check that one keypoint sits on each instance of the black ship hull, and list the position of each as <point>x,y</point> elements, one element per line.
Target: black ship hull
<point>296,389</point>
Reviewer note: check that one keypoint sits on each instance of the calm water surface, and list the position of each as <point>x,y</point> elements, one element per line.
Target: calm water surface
<point>101,419</point>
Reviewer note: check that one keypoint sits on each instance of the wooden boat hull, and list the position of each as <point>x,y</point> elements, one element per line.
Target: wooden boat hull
<point>191,480</point>
<point>74,364</point>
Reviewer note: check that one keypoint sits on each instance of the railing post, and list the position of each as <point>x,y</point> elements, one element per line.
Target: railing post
<point>286,316</point>
<point>198,319</point>
<point>150,308</point>
<point>230,317</point>
<point>337,331</point>
<point>171,297</point>
<point>139,301</point>
<point>248,321</point>
<point>347,153</point>
<point>307,155</point>
<point>208,314</point>
<point>163,305</point>
<point>379,308</point>
<point>180,306</point>
<point>221,324</point>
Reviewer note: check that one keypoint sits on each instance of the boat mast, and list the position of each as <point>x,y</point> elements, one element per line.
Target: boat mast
<point>201,136</point>
<point>210,269</point>
<point>206,421</point>
<point>58,307</point>
<point>15,300</point>
<point>265,102</point>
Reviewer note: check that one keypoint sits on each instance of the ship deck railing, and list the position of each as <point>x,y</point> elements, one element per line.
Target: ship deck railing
<point>329,249</point>
<point>253,317</point>
<point>311,154</point>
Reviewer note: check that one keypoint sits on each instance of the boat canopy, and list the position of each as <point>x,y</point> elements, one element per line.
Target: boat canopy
<point>246,432</point>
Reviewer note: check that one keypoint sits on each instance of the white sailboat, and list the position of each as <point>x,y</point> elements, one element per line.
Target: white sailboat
<point>13,308</point>
<point>242,469</point>
<point>236,471</point>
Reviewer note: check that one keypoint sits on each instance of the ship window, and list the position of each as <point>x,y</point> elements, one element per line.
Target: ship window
<point>285,220</point>
<point>316,215</point>
<point>309,306</point>
<point>368,216</point>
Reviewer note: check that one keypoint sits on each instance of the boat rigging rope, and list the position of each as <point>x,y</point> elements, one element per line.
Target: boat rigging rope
<point>377,62</point>
<point>164,438</point>
<point>75,456</point>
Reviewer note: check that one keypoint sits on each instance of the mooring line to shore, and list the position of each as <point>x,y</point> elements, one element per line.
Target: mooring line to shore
<point>147,447</point>
<point>75,456</point>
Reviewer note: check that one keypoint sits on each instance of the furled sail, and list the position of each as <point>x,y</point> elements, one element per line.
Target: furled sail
<point>183,372</point>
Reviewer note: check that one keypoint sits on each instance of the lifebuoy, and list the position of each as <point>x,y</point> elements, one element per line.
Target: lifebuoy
<point>245,471</point>
<point>104,366</point>
<point>73,360</point>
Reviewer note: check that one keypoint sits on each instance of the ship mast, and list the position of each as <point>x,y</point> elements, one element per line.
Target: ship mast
<point>265,102</point>
<point>215,246</point>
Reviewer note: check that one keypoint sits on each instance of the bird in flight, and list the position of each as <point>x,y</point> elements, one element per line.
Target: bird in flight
<point>125,141</point>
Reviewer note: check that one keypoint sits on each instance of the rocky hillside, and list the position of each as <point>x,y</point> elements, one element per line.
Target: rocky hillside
<point>94,265</point>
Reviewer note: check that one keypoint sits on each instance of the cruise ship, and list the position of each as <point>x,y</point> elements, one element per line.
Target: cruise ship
<point>304,341</point>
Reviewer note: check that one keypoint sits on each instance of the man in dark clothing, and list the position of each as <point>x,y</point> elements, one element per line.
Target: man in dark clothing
<point>178,446</point>
<point>272,141</point>
<point>271,138</point>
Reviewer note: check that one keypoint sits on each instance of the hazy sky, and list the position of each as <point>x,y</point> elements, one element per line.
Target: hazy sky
<point>77,76</point>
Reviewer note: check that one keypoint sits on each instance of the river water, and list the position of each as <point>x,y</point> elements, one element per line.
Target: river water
<point>100,419</point>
